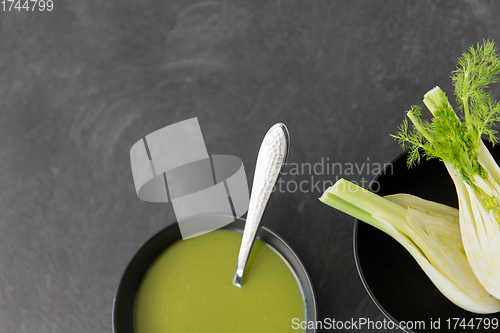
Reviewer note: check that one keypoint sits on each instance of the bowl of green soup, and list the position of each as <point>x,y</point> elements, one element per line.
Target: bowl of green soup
<point>174,285</point>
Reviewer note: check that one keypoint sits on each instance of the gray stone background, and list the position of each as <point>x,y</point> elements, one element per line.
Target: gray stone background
<point>80,84</point>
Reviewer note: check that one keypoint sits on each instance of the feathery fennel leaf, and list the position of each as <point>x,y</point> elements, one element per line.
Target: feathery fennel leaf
<point>451,138</point>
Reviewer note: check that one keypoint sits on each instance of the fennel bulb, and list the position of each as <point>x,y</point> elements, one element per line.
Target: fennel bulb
<point>429,231</point>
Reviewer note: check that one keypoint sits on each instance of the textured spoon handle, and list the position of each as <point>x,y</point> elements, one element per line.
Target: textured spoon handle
<point>272,156</point>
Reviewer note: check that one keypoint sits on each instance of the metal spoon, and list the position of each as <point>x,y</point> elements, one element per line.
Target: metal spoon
<point>271,159</point>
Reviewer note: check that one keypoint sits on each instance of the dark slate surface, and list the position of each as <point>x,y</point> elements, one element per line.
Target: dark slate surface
<point>79,85</point>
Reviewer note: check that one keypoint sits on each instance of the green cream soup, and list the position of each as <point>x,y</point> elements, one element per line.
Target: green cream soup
<point>189,289</point>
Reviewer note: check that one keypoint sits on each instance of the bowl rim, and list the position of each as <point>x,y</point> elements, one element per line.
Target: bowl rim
<point>306,284</point>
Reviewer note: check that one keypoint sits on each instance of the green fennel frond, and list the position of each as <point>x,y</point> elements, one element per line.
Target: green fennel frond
<point>476,71</point>
<point>411,138</point>
<point>451,138</point>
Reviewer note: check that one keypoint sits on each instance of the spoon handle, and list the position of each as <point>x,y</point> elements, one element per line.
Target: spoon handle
<point>270,160</point>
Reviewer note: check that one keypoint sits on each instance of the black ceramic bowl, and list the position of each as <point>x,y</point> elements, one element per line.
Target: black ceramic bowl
<point>392,278</point>
<point>124,302</point>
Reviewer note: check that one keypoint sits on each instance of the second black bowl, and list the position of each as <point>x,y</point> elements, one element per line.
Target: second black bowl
<point>392,278</point>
